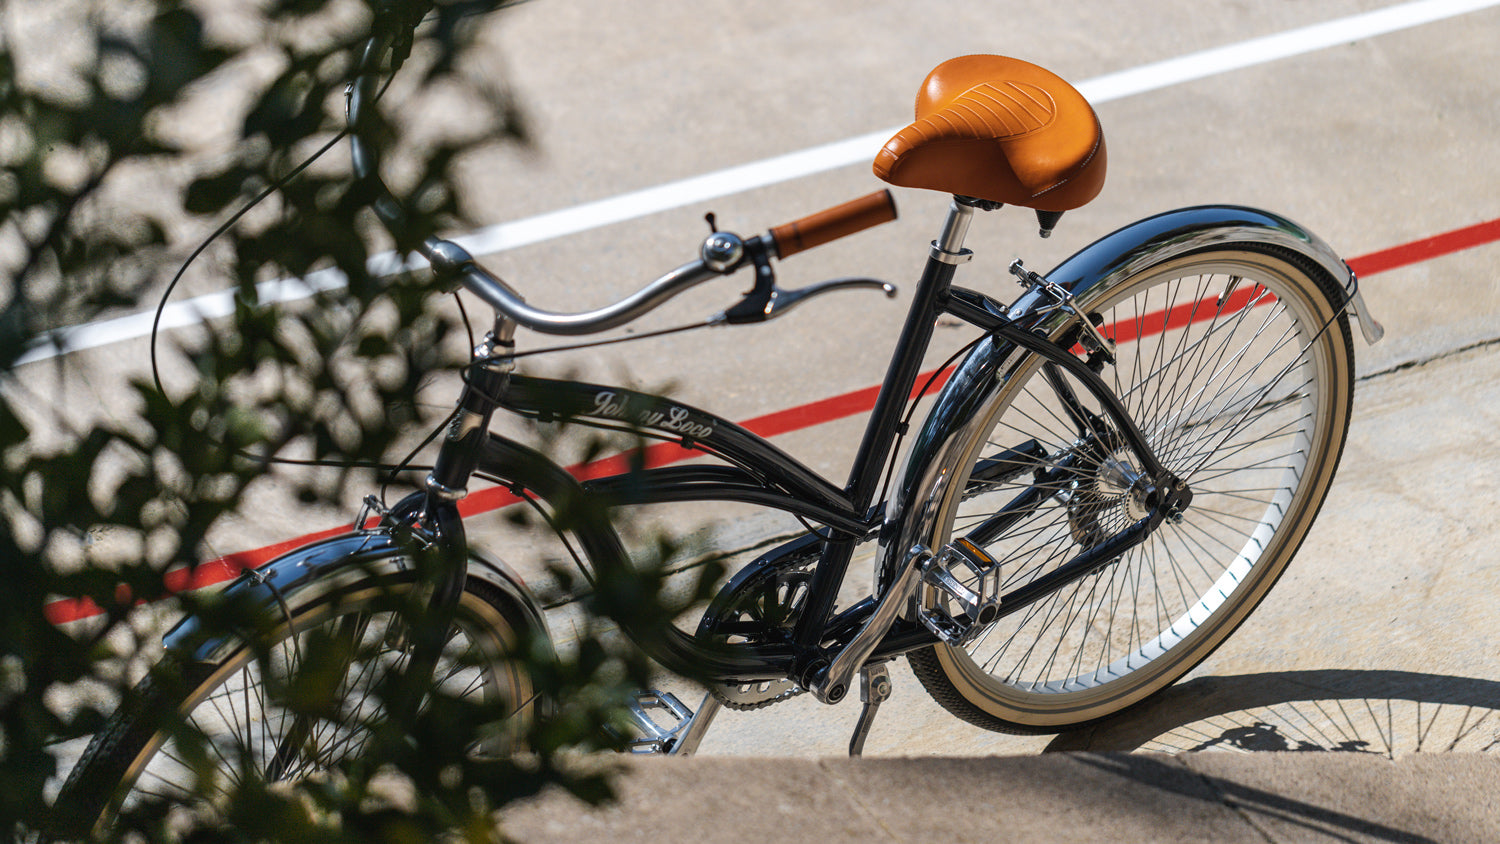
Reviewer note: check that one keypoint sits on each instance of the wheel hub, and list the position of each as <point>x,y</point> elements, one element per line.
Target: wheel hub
<point>1119,479</point>
<point>1116,487</point>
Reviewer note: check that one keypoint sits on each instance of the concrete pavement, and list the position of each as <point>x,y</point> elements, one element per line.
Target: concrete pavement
<point>1074,797</point>
<point>1380,640</point>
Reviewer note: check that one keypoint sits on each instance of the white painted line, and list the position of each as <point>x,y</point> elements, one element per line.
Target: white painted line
<point>665,197</point>
<point>1103,89</point>
<point>195,311</point>
<point>1272,48</point>
<point>782,168</point>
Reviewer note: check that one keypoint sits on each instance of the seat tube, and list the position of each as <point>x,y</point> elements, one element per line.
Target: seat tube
<point>946,254</point>
<point>880,433</point>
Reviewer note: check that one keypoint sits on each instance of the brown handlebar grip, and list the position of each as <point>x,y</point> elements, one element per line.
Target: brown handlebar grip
<point>834,223</point>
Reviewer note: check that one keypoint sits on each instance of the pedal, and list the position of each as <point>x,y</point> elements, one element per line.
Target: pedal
<point>665,725</point>
<point>963,592</point>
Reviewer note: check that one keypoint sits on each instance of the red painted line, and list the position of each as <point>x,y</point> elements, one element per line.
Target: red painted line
<point>185,579</point>
<point>1426,249</point>
<point>782,421</point>
<point>1178,316</point>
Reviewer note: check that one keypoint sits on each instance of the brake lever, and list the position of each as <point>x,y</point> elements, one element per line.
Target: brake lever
<point>767,301</point>
<point>784,300</point>
<point>756,303</point>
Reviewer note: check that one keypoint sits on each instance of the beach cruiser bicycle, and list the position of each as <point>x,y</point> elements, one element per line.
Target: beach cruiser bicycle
<point>1108,482</point>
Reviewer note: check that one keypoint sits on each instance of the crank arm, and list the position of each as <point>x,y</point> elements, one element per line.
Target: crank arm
<point>833,684</point>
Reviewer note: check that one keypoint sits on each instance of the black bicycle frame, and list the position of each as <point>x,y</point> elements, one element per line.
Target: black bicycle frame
<point>761,474</point>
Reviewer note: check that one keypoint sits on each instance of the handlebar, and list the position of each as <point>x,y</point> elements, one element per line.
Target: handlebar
<point>722,254</point>
<point>448,258</point>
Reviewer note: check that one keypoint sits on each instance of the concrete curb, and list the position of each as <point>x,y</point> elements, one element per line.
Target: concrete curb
<point>1220,797</point>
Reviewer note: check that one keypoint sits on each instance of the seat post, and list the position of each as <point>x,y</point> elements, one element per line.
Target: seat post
<point>949,247</point>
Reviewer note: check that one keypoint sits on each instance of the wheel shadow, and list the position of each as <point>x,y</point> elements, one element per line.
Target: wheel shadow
<point>1387,713</point>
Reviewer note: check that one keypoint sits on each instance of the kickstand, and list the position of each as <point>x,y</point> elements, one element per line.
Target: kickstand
<point>874,689</point>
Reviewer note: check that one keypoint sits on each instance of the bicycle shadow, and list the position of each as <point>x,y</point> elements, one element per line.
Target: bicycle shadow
<point>1389,713</point>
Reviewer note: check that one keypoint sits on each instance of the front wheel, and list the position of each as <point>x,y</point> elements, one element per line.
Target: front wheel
<point>1237,364</point>
<point>248,731</point>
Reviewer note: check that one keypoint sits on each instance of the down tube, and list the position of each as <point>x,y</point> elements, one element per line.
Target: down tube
<point>601,544</point>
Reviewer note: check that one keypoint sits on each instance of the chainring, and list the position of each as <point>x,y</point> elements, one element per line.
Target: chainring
<point>759,605</point>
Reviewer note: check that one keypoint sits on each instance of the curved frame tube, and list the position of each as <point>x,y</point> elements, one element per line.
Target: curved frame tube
<point>601,544</point>
<point>548,399</point>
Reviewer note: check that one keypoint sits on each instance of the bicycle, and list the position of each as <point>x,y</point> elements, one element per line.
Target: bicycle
<point>1110,480</point>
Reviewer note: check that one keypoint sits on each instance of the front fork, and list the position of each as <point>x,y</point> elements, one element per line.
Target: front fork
<point>447,558</point>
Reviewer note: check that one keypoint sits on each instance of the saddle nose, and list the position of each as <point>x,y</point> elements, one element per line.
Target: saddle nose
<point>1001,129</point>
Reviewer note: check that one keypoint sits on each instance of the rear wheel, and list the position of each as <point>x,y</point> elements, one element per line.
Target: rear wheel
<point>130,761</point>
<point>1237,365</point>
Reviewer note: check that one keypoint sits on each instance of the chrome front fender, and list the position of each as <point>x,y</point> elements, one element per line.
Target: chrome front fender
<point>940,448</point>
<point>332,565</point>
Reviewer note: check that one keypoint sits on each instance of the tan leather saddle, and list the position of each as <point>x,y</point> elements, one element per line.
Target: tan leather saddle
<point>1000,129</point>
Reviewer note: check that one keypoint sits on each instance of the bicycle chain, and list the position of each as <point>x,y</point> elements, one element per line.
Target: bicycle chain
<point>729,696</point>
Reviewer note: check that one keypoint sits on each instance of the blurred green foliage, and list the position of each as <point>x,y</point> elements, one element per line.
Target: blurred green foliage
<point>128,129</point>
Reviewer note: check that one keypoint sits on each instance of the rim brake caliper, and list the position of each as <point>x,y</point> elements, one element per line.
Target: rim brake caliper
<point>1061,300</point>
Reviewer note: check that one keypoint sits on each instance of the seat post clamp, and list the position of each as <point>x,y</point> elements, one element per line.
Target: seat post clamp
<point>962,256</point>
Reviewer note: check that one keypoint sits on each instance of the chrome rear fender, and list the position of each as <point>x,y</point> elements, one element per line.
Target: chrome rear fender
<point>1098,267</point>
<point>942,445</point>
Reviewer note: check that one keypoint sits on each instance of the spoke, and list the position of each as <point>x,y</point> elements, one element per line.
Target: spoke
<point>244,730</point>
<point>1063,608</point>
<point>1263,393</point>
<point>1203,460</point>
<point>1046,608</point>
<point>1181,578</point>
<point>1167,421</point>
